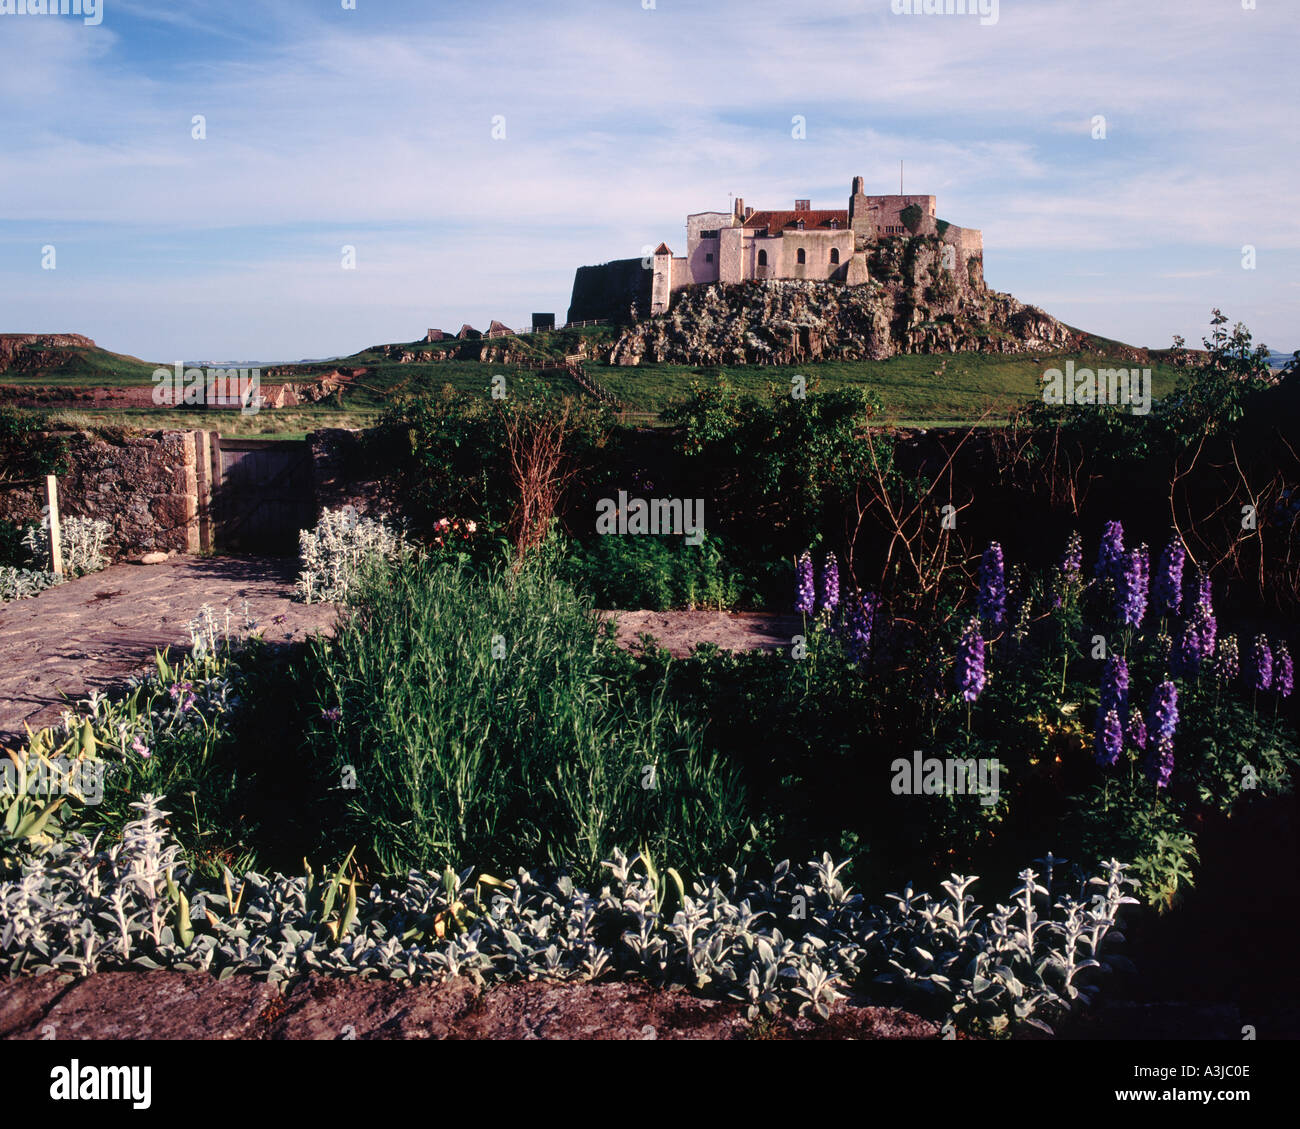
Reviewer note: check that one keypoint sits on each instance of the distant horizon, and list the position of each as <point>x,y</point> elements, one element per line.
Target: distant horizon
<point>222,160</point>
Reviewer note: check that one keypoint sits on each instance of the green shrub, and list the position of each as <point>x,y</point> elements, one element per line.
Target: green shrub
<point>476,718</point>
<point>656,573</point>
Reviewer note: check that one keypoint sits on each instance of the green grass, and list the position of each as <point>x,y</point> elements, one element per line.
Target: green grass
<point>956,388</point>
<point>949,389</point>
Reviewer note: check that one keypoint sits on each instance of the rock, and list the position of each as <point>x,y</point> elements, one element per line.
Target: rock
<point>154,558</point>
<point>903,301</point>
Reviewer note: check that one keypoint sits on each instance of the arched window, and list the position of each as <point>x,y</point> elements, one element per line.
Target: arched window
<point>835,255</point>
<point>762,258</point>
<point>803,255</point>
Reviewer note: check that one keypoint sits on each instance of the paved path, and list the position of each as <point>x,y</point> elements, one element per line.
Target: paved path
<point>93,632</point>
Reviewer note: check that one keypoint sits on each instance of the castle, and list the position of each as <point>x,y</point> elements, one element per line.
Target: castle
<point>824,245</point>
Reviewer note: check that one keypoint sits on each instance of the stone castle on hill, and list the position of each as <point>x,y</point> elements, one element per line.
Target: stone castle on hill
<point>823,245</point>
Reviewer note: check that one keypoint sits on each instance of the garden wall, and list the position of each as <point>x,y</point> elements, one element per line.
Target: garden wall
<point>155,489</point>
<point>145,486</point>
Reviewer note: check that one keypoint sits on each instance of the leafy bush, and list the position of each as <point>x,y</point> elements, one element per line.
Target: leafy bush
<point>475,718</point>
<point>656,573</point>
<point>82,542</point>
<point>791,941</point>
<point>22,583</point>
<point>335,554</point>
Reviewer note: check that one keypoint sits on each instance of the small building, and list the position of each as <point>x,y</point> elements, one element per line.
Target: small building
<point>434,335</point>
<point>497,329</point>
<point>468,333</point>
<point>543,323</point>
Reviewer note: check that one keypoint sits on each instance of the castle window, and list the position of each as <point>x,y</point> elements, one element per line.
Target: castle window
<point>708,235</point>
<point>708,258</point>
<point>803,255</point>
<point>762,258</point>
<point>835,255</point>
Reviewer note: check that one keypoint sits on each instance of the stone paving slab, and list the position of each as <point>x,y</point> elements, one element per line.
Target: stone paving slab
<point>93,632</point>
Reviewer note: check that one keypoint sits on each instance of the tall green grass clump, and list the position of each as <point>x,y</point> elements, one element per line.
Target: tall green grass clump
<point>478,718</point>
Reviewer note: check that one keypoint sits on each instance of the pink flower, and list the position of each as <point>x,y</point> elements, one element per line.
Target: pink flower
<point>140,747</point>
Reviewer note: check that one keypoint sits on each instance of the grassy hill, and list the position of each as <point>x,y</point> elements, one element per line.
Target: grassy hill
<point>933,389</point>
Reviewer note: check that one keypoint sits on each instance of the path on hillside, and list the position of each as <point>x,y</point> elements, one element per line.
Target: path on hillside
<point>91,633</point>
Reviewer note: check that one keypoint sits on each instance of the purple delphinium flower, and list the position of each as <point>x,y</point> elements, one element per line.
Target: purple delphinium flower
<point>1169,579</point>
<point>828,592</point>
<point>969,670</point>
<point>993,586</point>
<point>1111,553</point>
<point>1114,684</point>
<point>1163,724</point>
<point>1112,696</point>
<point>1261,664</point>
<point>1072,560</point>
<point>1227,660</point>
<point>1201,629</point>
<point>332,714</point>
<point>1071,568</point>
<point>805,593</point>
<point>1110,739</point>
<point>1131,596</point>
<point>859,624</point>
<point>1137,730</point>
<point>1283,670</point>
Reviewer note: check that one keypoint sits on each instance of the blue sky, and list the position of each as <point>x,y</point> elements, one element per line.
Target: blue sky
<point>373,128</point>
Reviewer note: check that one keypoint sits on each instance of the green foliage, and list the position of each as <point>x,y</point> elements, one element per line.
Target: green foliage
<point>336,553</point>
<point>656,573</point>
<point>27,453</point>
<point>779,468</point>
<point>478,718</point>
<point>911,217</point>
<point>80,907</point>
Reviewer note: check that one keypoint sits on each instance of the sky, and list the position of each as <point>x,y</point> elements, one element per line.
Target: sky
<point>475,154</point>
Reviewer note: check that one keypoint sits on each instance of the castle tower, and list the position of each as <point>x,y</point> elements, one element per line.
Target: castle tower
<point>864,230</point>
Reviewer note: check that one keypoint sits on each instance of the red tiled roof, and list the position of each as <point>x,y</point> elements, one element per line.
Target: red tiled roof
<point>782,221</point>
<point>663,249</point>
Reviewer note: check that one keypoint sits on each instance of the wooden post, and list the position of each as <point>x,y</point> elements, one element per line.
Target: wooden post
<point>56,540</point>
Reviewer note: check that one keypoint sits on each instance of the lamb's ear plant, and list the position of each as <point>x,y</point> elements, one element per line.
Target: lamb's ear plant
<point>82,905</point>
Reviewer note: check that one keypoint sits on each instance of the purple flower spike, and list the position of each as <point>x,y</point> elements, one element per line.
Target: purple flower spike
<point>828,593</point>
<point>1227,660</point>
<point>993,586</point>
<point>1201,629</point>
<point>805,594</point>
<point>1110,739</point>
<point>1261,664</point>
<point>969,671</point>
<point>1137,730</point>
<point>1111,553</point>
<point>860,622</point>
<point>1160,765</point>
<point>1131,598</point>
<point>1113,693</point>
<point>1071,568</point>
<point>1283,670</point>
<point>1169,579</point>
<point>1163,725</point>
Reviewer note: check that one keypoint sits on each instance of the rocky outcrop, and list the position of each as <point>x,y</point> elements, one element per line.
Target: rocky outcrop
<point>38,351</point>
<point>911,304</point>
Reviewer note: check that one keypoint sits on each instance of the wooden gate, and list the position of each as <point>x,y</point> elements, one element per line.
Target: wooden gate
<point>262,494</point>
